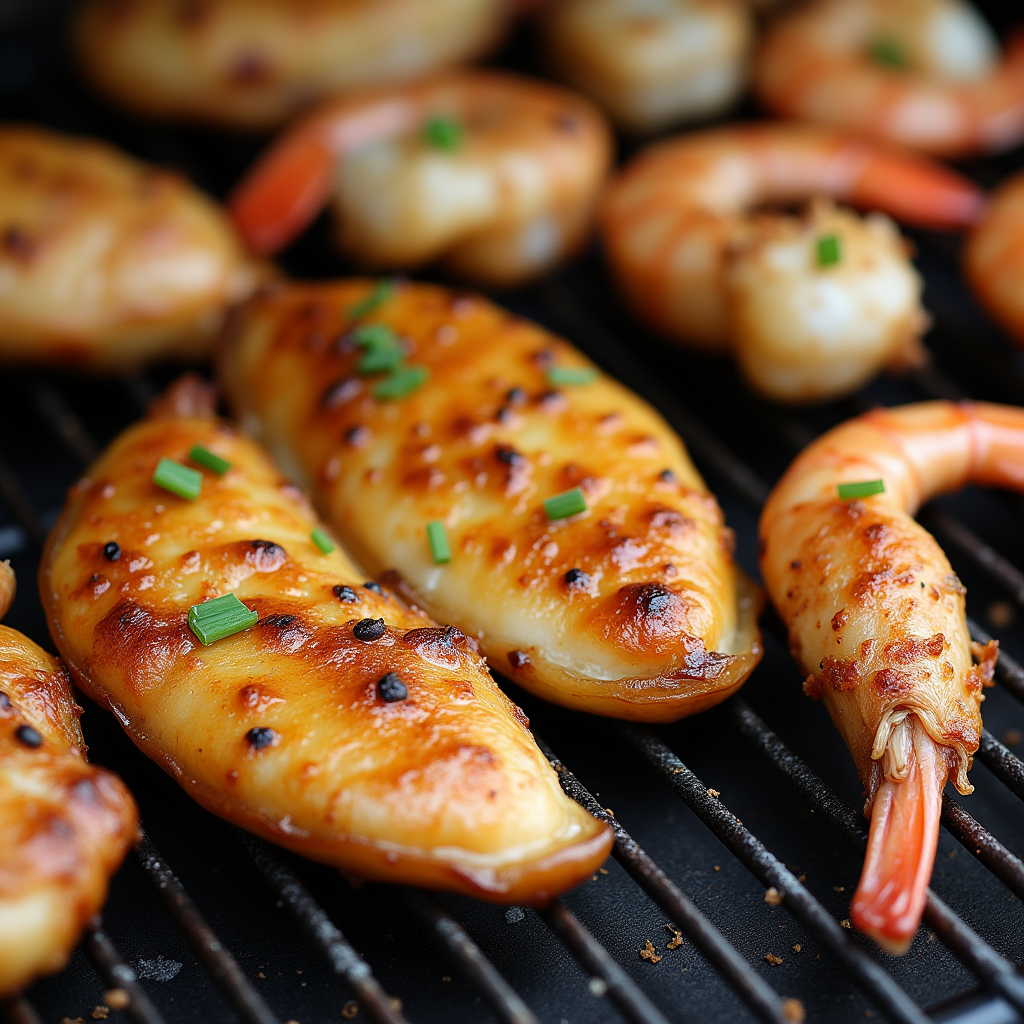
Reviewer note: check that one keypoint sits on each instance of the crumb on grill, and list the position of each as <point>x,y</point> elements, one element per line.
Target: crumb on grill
<point>772,896</point>
<point>773,959</point>
<point>648,953</point>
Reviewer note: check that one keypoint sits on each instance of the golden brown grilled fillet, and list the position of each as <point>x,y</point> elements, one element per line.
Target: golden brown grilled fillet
<point>342,725</point>
<point>633,608</point>
<point>106,262</point>
<point>65,825</point>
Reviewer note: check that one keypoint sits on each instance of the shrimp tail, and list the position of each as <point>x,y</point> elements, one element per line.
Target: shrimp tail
<point>903,838</point>
<point>283,193</point>
<point>919,191</point>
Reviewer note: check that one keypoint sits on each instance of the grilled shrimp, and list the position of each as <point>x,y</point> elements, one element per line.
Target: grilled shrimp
<point>336,722</point>
<point>876,617</point>
<point>252,63</point>
<point>586,554</point>
<point>921,73</point>
<point>105,262</point>
<point>65,826</point>
<point>493,174</point>
<point>813,306</point>
<point>651,63</point>
<point>994,260</point>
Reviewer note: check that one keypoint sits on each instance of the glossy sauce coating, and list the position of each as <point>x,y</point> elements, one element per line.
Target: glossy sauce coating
<point>252,63</point>
<point>295,728</point>
<point>65,825</point>
<point>105,262</point>
<point>633,608</point>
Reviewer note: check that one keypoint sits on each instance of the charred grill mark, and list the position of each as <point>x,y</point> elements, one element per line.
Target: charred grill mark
<point>369,630</point>
<point>391,689</point>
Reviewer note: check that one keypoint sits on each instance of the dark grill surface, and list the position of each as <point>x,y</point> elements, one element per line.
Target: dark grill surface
<point>760,792</point>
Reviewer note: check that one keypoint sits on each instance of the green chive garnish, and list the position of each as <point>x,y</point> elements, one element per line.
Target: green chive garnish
<point>204,457</point>
<point>863,489</point>
<point>382,291</point>
<point>178,479</point>
<point>380,360</point>
<point>571,375</point>
<point>374,336</point>
<point>221,617</point>
<point>440,551</point>
<point>322,541</point>
<point>401,382</point>
<point>888,53</point>
<point>443,133</point>
<point>828,250</point>
<point>568,503</point>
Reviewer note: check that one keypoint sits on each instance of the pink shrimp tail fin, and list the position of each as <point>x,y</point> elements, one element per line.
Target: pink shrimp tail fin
<point>904,835</point>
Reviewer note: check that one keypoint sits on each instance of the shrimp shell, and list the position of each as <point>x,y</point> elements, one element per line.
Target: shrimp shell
<point>956,98</point>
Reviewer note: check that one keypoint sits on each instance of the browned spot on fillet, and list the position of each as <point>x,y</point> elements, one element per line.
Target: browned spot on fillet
<point>841,674</point>
<point>890,682</point>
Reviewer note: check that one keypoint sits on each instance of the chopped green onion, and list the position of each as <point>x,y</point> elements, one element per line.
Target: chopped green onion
<point>888,53</point>
<point>374,336</point>
<point>440,551</point>
<point>863,489</point>
<point>571,375</point>
<point>322,541</point>
<point>568,503</point>
<point>379,360</point>
<point>382,291</point>
<point>828,250</point>
<point>401,382</point>
<point>211,461</point>
<point>178,479</point>
<point>443,133</point>
<point>221,617</point>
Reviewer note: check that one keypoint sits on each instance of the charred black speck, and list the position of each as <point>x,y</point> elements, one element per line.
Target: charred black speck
<point>27,735</point>
<point>357,436</point>
<point>17,243</point>
<point>504,414</point>
<point>111,551</point>
<point>507,454</point>
<point>369,629</point>
<point>655,598</point>
<point>391,688</point>
<point>666,476</point>
<point>544,357</point>
<point>577,578</point>
<point>515,396</point>
<point>374,586</point>
<point>278,621</point>
<point>5,702</point>
<point>518,659</point>
<point>260,737</point>
<point>340,392</point>
<point>567,122</point>
<point>552,401</point>
<point>268,547</point>
<point>345,594</point>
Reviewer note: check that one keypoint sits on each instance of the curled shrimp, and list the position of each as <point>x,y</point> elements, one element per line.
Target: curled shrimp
<point>812,307</point>
<point>252,63</point>
<point>495,174</point>
<point>651,63</point>
<point>994,257</point>
<point>876,616</point>
<point>922,73</point>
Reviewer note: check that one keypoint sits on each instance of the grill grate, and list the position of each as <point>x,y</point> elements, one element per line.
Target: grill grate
<point>52,424</point>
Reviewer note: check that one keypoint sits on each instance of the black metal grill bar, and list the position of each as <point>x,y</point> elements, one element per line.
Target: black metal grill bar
<point>219,963</point>
<point>598,963</point>
<point>20,1011</point>
<point>874,981</point>
<point>63,421</point>
<point>983,845</point>
<point>117,974</point>
<point>723,956</point>
<point>20,507</point>
<point>968,947</point>
<point>469,959</point>
<point>1002,763</point>
<point>321,930</point>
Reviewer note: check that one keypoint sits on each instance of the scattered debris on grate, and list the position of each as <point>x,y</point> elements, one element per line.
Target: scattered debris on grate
<point>350,1009</point>
<point>1012,737</point>
<point>116,998</point>
<point>598,987</point>
<point>1000,614</point>
<point>793,1011</point>
<point>514,915</point>
<point>677,937</point>
<point>648,953</point>
<point>773,959</point>
<point>772,896</point>
<point>158,969</point>
<point>100,1012</point>
<point>797,947</point>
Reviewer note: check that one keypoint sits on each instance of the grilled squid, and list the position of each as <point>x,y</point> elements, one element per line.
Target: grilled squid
<point>309,705</point>
<point>876,618</point>
<point>493,174</point>
<point>511,487</point>
<point>246,64</point>
<point>104,261</point>
<point>65,825</point>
